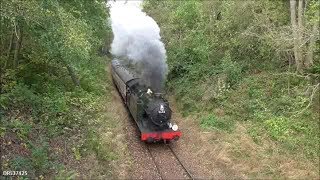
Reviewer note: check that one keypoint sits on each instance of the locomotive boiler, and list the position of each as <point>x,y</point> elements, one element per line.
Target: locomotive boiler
<point>150,110</point>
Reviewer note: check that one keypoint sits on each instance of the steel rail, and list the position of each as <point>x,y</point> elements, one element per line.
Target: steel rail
<point>156,164</point>
<point>182,165</point>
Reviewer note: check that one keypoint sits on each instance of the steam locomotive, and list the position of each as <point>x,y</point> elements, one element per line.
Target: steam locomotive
<point>150,110</point>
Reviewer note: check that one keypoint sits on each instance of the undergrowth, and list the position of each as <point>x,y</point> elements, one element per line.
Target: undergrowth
<point>273,109</point>
<point>228,68</point>
<point>31,120</point>
<point>54,87</point>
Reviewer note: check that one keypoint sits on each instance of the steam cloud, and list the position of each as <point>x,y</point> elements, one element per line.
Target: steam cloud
<point>137,39</point>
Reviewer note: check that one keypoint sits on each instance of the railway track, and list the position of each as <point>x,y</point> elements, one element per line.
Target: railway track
<point>182,165</point>
<point>167,162</point>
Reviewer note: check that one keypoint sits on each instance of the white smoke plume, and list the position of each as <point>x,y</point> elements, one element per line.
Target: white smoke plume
<point>137,39</point>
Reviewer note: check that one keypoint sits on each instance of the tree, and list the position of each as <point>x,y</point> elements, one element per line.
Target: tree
<point>295,30</point>
<point>303,39</point>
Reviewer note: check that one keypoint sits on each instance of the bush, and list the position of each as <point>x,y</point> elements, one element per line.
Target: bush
<point>40,159</point>
<point>278,128</point>
<point>20,96</point>
<point>213,122</point>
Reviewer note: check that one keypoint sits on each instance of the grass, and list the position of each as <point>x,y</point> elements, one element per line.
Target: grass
<point>265,103</point>
<point>270,117</point>
<point>213,122</point>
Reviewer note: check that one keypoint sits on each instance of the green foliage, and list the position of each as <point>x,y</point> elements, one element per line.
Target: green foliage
<point>2,131</point>
<point>231,69</point>
<point>37,164</point>
<point>20,96</point>
<point>292,134</point>
<point>264,102</point>
<point>65,174</point>
<point>228,56</point>
<point>40,158</point>
<point>21,128</point>
<point>21,164</point>
<point>278,128</point>
<point>39,97</point>
<point>186,14</point>
<point>76,153</point>
<point>100,148</point>
<point>211,121</point>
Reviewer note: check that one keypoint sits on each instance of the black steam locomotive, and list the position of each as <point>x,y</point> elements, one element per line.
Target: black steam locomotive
<point>150,110</point>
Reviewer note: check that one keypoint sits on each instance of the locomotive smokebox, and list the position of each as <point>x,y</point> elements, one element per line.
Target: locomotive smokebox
<point>159,112</point>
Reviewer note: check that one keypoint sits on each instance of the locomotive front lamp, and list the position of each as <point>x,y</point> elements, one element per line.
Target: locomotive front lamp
<point>175,127</point>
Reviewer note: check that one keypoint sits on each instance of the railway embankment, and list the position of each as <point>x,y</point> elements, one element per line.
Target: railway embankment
<point>236,76</point>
